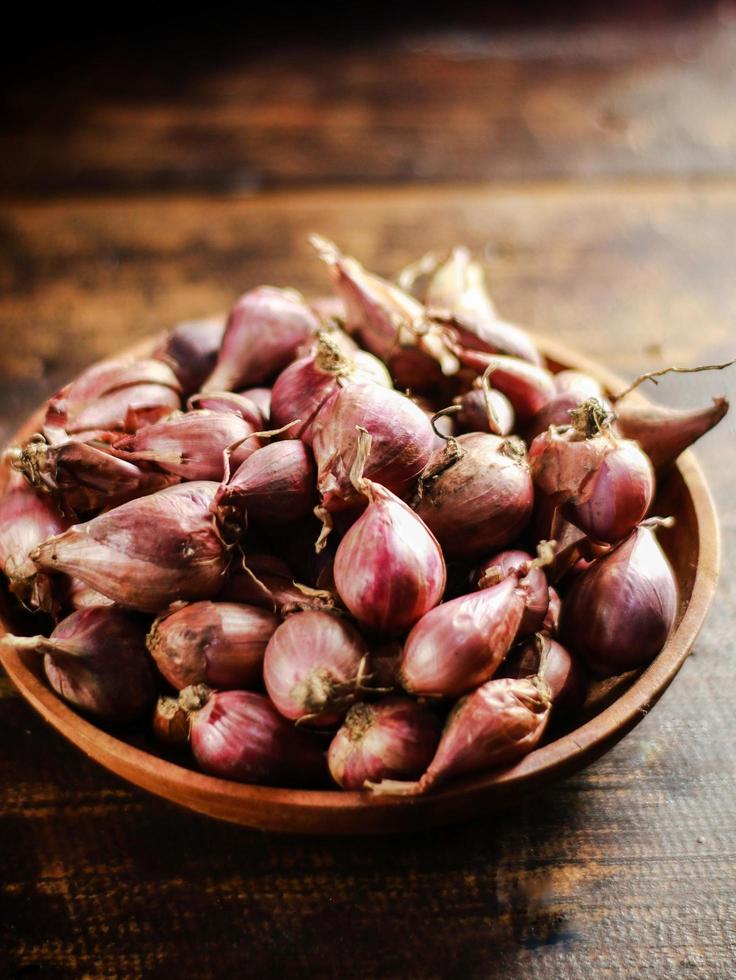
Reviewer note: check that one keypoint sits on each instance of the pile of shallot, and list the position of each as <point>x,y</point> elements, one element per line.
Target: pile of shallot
<point>372,539</point>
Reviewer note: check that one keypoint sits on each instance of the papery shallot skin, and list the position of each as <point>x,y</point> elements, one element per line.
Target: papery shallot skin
<point>551,624</point>
<point>263,332</point>
<point>402,442</point>
<point>395,738</point>
<point>192,445</point>
<point>374,308</point>
<point>664,433</point>
<point>313,667</point>
<point>267,582</point>
<point>239,735</point>
<point>216,643</point>
<point>604,484</point>
<point>96,660</point>
<point>147,553</point>
<point>458,286</point>
<point>557,411</point>
<point>461,643</point>
<point>458,291</point>
<point>275,485</point>
<point>620,610</point>
<point>563,673</point>
<point>389,569</point>
<point>480,502</point>
<point>230,401</point>
<point>473,416</point>
<point>27,518</point>
<point>527,386</point>
<point>80,596</point>
<point>190,349</point>
<point>389,322</point>
<point>519,564</point>
<point>496,725</point>
<point>261,398</point>
<point>304,386</point>
<point>115,395</point>
<point>617,497</point>
<point>86,476</point>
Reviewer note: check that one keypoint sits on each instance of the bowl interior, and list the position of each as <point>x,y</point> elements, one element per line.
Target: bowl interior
<point>612,708</point>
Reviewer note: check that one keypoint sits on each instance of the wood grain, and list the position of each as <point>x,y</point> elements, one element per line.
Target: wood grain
<point>402,99</point>
<point>631,262</point>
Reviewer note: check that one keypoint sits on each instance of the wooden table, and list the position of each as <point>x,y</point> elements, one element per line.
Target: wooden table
<point>594,164</point>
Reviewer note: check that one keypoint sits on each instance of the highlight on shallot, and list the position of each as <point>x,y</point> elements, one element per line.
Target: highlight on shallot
<point>296,545</point>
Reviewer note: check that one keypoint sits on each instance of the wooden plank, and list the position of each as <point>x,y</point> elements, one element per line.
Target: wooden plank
<point>625,870</point>
<point>412,98</point>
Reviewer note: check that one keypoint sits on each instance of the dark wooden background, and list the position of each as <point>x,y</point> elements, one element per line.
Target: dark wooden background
<point>153,175</point>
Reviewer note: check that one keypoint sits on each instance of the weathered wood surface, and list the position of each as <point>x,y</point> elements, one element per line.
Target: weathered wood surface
<point>627,870</point>
<point>648,90</point>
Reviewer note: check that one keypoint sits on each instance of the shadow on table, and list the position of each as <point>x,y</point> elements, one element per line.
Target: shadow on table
<point>96,874</point>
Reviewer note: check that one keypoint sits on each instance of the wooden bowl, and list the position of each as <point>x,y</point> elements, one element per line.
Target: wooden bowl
<point>616,706</point>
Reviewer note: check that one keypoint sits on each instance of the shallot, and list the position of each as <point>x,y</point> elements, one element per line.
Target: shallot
<point>461,643</point>
<point>476,494</point>
<point>481,412</point>
<point>457,291</point>
<point>147,553</point>
<point>619,612</point>
<point>558,410</point>
<point>304,386</point>
<point>314,667</point>
<point>191,348</point>
<point>229,401</point>
<point>96,660</point>
<point>519,564</point>
<point>27,518</point>
<point>527,386</point>
<point>192,445</point>
<point>389,570</point>
<point>261,398</point>
<point>402,442</point>
<point>85,476</point>
<point>544,656</point>
<point>115,395</point>
<point>494,726</point>
<point>217,643</point>
<point>604,483</point>
<point>395,738</point>
<point>275,485</point>
<point>263,332</point>
<point>388,322</point>
<point>239,735</point>
<point>664,433</point>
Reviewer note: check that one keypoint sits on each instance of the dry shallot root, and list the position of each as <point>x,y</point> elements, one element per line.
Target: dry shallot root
<point>164,516</point>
